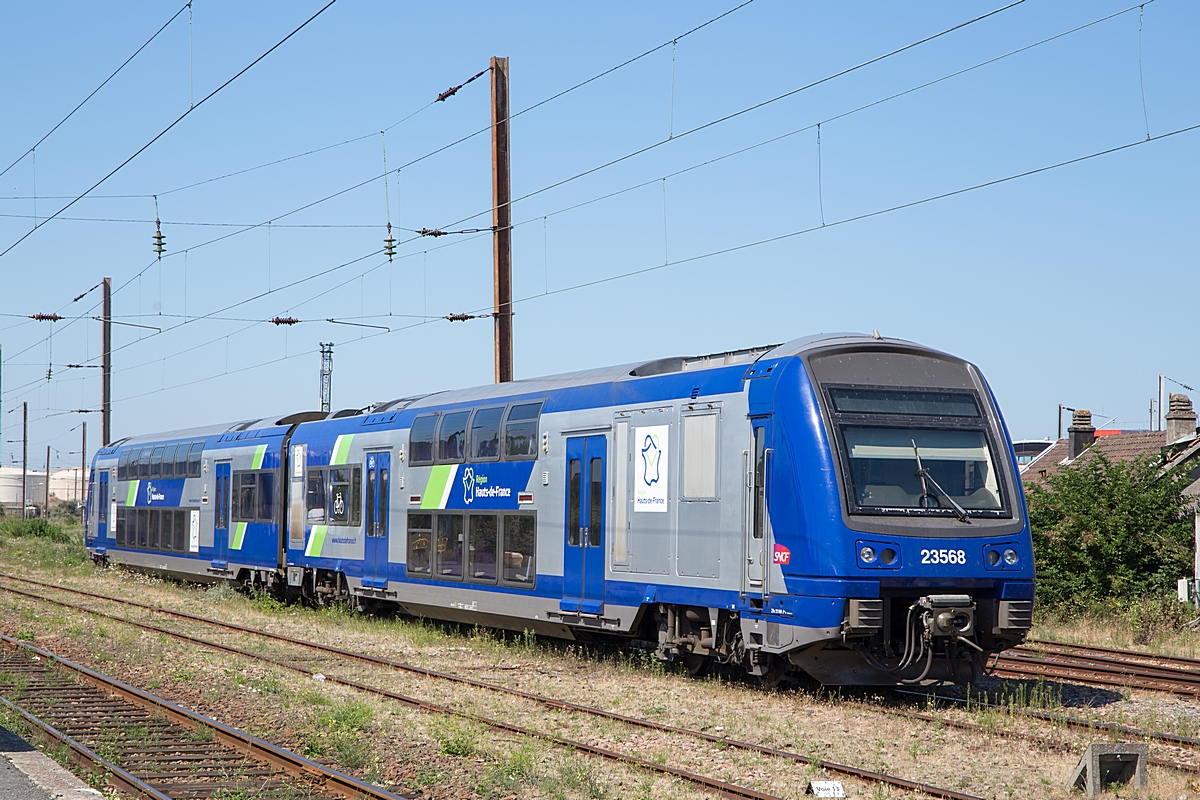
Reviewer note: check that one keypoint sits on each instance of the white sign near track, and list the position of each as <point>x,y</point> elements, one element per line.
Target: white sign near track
<point>650,468</point>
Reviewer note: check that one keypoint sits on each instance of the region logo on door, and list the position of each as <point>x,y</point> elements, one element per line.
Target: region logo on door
<point>781,555</point>
<point>468,485</point>
<point>652,463</point>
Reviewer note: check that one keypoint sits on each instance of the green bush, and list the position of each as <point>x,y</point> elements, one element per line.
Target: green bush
<point>1105,530</point>
<point>27,528</point>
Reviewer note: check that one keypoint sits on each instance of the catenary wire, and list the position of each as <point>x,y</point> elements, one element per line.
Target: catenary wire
<point>709,161</point>
<point>165,130</point>
<point>98,88</point>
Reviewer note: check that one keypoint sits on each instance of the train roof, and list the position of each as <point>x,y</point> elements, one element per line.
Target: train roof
<point>541,385</point>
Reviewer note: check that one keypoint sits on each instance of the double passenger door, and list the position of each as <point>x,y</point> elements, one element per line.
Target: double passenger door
<point>102,517</point>
<point>375,546</point>
<point>583,545</point>
<point>220,554</point>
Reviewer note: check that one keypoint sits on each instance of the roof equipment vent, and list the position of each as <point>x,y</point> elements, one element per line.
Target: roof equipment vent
<point>662,366</point>
<point>346,412</point>
<point>302,416</point>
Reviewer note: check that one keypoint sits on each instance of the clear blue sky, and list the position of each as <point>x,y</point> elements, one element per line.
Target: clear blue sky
<point>1074,286</point>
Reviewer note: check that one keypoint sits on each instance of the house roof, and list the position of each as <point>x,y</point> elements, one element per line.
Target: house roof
<point>1118,447</point>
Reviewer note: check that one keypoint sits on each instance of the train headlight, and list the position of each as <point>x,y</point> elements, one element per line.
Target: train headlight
<point>1010,556</point>
<point>993,557</point>
<point>867,553</point>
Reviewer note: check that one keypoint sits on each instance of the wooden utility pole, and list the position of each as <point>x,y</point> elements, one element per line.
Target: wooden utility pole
<point>501,222</point>
<point>24,456</point>
<point>106,367</point>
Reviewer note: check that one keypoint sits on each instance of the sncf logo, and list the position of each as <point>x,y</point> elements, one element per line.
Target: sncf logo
<point>781,555</point>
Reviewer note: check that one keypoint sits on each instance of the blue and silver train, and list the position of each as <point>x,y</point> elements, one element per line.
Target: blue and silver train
<point>844,506</point>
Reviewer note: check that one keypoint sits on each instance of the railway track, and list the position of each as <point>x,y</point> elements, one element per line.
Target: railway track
<point>1100,666</point>
<point>149,747</point>
<point>720,787</point>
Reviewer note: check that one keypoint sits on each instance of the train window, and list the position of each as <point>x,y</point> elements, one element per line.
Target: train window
<point>420,439</point>
<point>245,485</point>
<point>168,462</point>
<point>155,522</point>
<point>574,490</point>
<point>903,401</point>
<point>123,466</point>
<point>315,497</point>
<point>596,502</point>
<point>450,547</point>
<point>144,462</point>
<point>520,431</point>
<point>266,495</point>
<point>194,460</point>
<point>420,532</point>
<point>481,549</point>
<point>181,460</point>
<point>156,462</point>
<point>167,529</point>
<point>699,460</point>
<point>485,434</point>
<point>452,437</point>
<point>181,521</point>
<point>519,540</point>
<point>120,534</point>
<point>760,483</point>
<point>345,495</point>
<point>143,526</point>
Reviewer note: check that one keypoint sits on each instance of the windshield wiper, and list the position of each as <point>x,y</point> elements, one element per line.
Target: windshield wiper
<point>924,475</point>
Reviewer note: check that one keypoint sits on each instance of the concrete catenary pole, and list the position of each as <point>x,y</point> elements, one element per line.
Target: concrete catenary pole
<point>81,497</point>
<point>501,222</point>
<point>46,494</point>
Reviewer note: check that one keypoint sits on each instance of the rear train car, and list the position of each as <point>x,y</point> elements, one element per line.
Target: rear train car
<point>846,507</point>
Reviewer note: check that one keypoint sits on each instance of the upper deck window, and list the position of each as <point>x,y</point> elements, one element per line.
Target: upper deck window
<point>520,431</point>
<point>903,401</point>
<point>452,437</point>
<point>485,434</point>
<point>420,439</point>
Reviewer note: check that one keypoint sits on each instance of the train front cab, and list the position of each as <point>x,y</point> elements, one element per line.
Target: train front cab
<point>887,516</point>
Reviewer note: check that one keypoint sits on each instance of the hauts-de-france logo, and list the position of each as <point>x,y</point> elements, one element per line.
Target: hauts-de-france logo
<point>153,494</point>
<point>650,473</point>
<point>468,480</point>
<point>651,459</point>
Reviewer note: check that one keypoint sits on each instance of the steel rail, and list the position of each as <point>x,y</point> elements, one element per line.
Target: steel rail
<point>86,758</point>
<point>1180,662</point>
<point>324,777</point>
<point>1014,667</point>
<point>1044,741</point>
<point>1107,664</point>
<point>843,769</point>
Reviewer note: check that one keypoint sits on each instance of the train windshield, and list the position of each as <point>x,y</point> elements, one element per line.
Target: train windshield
<point>917,451</point>
<point>883,467</point>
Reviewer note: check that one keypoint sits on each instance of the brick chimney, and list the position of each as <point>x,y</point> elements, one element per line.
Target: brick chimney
<point>1181,419</point>
<point>1081,434</point>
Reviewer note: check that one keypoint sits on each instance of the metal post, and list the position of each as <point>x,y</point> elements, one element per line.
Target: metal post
<point>501,222</point>
<point>326,376</point>
<point>24,456</point>
<point>79,498</point>
<point>106,367</point>
<point>1162,401</point>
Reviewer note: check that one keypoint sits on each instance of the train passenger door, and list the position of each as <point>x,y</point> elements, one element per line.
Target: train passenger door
<point>758,523</point>
<point>220,556</point>
<point>375,547</point>
<point>583,545</point>
<point>102,517</point>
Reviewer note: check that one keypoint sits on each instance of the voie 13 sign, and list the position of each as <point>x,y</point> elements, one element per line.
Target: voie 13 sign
<point>650,458</point>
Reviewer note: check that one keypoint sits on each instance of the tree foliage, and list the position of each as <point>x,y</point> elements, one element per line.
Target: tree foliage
<point>1105,530</point>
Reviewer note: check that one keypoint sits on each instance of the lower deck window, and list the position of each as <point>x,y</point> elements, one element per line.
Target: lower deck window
<point>163,529</point>
<point>420,533</point>
<point>483,548</point>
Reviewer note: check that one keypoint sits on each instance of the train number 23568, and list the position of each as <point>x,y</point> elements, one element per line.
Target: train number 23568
<point>943,557</point>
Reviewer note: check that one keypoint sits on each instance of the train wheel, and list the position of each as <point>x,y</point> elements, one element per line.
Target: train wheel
<point>697,666</point>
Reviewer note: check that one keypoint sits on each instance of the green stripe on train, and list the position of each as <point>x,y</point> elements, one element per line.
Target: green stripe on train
<point>435,490</point>
<point>341,448</point>
<point>132,498</point>
<point>239,531</point>
<point>259,452</point>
